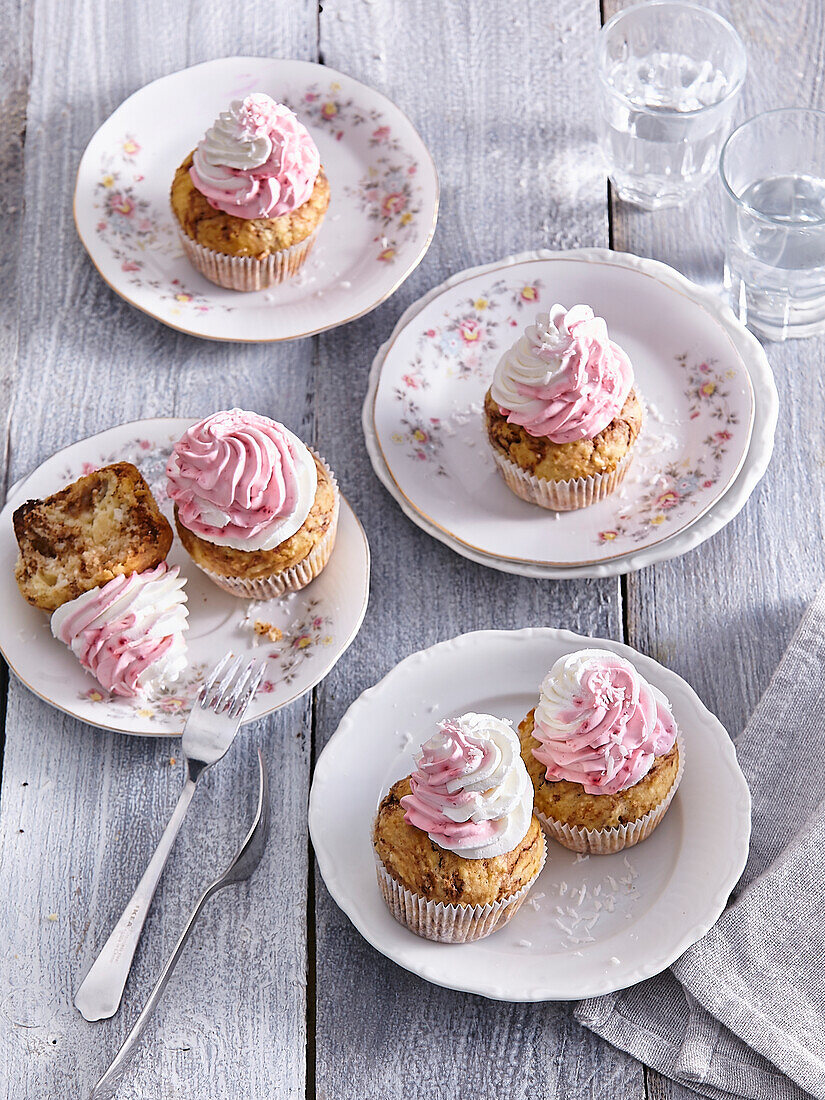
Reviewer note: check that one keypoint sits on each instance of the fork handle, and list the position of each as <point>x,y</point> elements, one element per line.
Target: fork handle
<point>100,992</point>
<point>108,1083</point>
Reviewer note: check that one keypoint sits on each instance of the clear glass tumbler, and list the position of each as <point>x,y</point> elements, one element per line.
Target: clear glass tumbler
<point>773,181</point>
<point>670,72</point>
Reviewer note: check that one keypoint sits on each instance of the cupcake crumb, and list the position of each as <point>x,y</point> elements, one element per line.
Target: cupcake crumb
<point>267,630</point>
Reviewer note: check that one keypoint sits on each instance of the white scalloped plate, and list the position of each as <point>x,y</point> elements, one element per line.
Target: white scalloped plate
<point>318,623</point>
<point>379,225</point>
<point>592,924</point>
<point>708,437</point>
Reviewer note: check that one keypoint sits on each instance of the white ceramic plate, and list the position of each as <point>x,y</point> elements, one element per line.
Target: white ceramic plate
<point>707,441</point>
<point>379,225</point>
<point>318,623</point>
<point>592,924</point>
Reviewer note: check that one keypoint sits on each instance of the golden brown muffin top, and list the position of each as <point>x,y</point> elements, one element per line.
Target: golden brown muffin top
<point>258,237</point>
<point>249,564</point>
<point>102,525</point>
<point>412,859</point>
<point>570,804</point>
<point>563,461</point>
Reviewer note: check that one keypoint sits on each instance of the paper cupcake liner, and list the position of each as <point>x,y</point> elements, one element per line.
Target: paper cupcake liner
<point>604,842</point>
<point>248,272</point>
<point>435,920</point>
<point>292,579</point>
<point>561,496</point>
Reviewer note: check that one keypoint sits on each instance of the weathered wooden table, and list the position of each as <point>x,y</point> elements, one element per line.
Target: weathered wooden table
<point>277,995</point>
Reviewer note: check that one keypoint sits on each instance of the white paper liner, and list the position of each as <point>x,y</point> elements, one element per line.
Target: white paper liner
<point>561,496</point>
<point>248,272</point>
<point>435,920</point>
<point>295,577</point>
<point>603,842</point>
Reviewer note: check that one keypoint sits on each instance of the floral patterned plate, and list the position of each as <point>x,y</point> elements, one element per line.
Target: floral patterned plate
<point>379,225</point>
<point>310,631</point>
<point>695,367</point>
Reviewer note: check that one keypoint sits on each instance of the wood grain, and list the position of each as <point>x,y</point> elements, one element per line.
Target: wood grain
<point>502,94</point>
<point>723,615</point>
<point>517,169</point>
<point>81,809</point>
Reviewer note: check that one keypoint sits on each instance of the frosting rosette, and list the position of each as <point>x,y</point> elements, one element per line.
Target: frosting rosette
<point>563,379</point>
<point>600,723</point>
<point>256,160</point>
<point>129,632</point>
<point>241,480</point>
<point>470,791</point>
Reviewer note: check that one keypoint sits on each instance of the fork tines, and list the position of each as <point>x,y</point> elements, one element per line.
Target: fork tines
<point>229,689</point>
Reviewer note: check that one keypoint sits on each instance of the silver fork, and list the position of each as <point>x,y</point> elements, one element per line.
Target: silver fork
<point>209,731</point>
<point>241,868</point>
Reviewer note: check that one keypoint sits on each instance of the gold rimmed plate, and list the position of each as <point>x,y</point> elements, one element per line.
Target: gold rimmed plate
<point>378,227</point>
<point>710,397</point>
<point>313,627</point>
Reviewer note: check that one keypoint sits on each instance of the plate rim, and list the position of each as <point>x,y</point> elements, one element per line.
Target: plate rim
<point>715,904</point>
<point>193,331</point>
<point>751,468</point>
<point>5,517</point>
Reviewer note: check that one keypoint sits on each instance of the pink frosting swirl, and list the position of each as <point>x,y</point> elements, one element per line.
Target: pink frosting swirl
<point>256,161</point>
<point>129,633</point>
<point>242,480</point>
<point>599,723</point>
<point>563,380</point>
<point>470,791</point>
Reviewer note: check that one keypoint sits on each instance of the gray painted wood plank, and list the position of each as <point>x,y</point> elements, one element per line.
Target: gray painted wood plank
<point>82,809</point>
<point>380,1031</point>
<point>723,615</point>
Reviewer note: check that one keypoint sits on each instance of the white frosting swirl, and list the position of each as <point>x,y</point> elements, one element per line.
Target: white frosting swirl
<point>242,480</point>
<point>129,632</point>
<point>471,792</point>
<point>563,379</point>
<point>232,142</point>
<point>600,723</point>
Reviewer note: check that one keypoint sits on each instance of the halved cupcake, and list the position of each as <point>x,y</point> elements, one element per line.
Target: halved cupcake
<point>457,846</point>
<point>250,199</point>
<point>255,509</point>
<point>603,752</point>
<point>105,524</point>
<point>562,414</point>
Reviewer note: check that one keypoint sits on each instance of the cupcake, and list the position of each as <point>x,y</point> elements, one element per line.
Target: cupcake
<point>457,846</point>
<point>562,414</point>
<point>249,201</point>
<point>602,751</point>
<point>129,633</point>
<point>255,509</point>
<point>105,524</point>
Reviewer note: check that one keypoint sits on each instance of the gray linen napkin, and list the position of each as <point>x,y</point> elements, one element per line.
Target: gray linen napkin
<point>742,1013</point>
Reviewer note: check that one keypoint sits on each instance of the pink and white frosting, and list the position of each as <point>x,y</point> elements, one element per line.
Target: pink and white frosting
<point>257,160</point>
<point>471,792</point>
<point>129,632</point>
<point>599,723</point>
<point>563,379</point>
<point>242,480</point>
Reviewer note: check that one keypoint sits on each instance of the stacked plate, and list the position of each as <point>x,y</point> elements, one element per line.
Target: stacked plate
<point>711,411</point>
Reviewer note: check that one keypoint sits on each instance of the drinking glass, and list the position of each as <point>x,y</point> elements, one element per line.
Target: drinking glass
<point>773,180</point>
<point>670,72</point>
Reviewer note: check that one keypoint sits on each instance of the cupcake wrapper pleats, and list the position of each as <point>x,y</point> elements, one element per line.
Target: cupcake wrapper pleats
<point>434,920</point>
<point>603,842</point>
<point>248,272</point>
<point>561,496</point>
